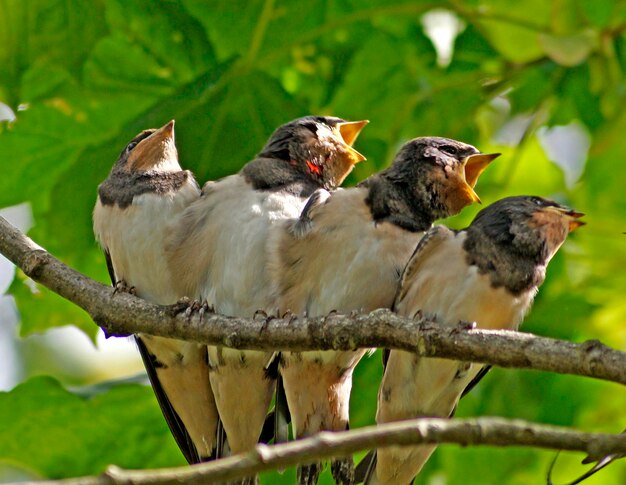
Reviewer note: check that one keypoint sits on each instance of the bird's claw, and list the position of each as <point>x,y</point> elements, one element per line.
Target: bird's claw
<point>262,313</point>
<point>122,287</point>
<point>292,317</point>
<point>463,326</point>
<point>189,307</point>
<point>268,317</point>
<point>267,322</point>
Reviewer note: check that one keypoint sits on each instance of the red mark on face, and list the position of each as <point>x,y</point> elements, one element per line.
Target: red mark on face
<point>317,170</point>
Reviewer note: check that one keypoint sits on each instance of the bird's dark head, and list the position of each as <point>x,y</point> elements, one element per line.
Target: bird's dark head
<point>440,172</point>
<point>527,225</point>
<point>151,150</point>
<point>318,146</point>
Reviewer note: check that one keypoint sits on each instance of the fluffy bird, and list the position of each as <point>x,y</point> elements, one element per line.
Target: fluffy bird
<point>487,273</point>
<point>346,253</point>
<point>145,191</point>
<point>218,248</point>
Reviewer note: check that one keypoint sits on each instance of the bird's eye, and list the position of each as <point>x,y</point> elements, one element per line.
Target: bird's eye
<point>312,127</point>
<point>131,145</point>
<point>450,150</point>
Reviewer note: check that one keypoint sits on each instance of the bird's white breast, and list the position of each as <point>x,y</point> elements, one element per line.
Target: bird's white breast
<point>240,219</point>
<point>134,237</point>
<point>226,232</point>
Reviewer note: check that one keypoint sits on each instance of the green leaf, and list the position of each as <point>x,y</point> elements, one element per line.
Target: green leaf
<point>229,26</point>
<point>599,13</point>
<point>41,309</point>
<point>571,105</point>
<point>58,33</point>
<point>374,79</point>
<point>166,32</point>
<point>569,50</point>
<point>531,87</point>
<point>59,434</point>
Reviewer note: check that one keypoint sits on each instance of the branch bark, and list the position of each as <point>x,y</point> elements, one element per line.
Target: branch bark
<point>481,431</point>
<point>124,314</point>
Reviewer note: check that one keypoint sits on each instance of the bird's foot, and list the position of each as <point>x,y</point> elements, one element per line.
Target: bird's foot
<point>330,314</point>
<point>260,313</point>
<point>189,307</point>
<point>267,316</point>
<point>122,287</point>
<point>343,471</point>
<point>290,315</point>
<point>463,326</point>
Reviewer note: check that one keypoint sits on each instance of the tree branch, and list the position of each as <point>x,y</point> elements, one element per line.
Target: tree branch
<point>123,314</point>
<point>481,431</point>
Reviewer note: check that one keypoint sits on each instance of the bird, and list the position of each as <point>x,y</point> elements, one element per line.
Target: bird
<point>145,191</point>
<point>346,253</point>
<point>487,273</point>
<point>218,246</point>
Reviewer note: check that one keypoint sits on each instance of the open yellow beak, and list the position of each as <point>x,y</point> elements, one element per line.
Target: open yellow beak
<point>475,165</point>
<point>469,194</point>
<point>349,131</point>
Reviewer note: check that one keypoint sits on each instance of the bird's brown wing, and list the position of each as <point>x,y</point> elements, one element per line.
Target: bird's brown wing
<point>177,428</point>
<point>429,243</point>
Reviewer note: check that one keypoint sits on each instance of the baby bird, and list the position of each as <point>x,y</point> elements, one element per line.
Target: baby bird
<point>218,249</point>
<point>144,193</point>
<point>346,253</point>
<point>488,273</point>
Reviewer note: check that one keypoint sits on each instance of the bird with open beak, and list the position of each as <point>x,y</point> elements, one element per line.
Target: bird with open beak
<point>346,253</point>
<point>488,273</point>
<point>144,193</point>
<point>218,247</point>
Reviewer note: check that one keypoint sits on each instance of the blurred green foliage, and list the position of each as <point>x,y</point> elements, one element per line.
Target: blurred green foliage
<point>84,77</point>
